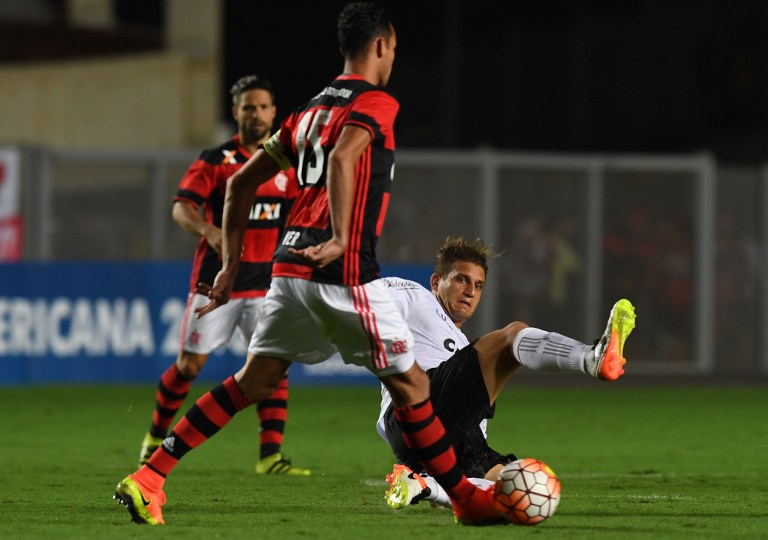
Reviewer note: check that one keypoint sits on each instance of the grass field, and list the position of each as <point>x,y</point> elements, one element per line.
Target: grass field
<point>634,463</point>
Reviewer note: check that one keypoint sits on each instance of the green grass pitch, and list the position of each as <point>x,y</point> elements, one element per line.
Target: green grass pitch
<point>635,462</point>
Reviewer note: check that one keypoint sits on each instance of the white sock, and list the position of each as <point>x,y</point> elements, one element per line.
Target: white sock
<point>549,351</point>
<point>439,496</point>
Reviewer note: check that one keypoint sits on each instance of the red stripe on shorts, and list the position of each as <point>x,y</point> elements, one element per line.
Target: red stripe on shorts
<point>368,320</point>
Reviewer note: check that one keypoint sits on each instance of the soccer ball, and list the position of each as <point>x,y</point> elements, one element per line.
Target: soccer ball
<point>528,490</point>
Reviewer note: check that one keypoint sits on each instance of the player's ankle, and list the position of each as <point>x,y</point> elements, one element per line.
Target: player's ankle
<point>463,491</point>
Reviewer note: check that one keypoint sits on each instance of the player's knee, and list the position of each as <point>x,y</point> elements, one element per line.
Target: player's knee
<point>257,390</point>
<point>408,388</point>
<point>493,472</point>
<point>511,331</point>
<point>260,376</point>
<point>510,334</point>
<point>189,364</point>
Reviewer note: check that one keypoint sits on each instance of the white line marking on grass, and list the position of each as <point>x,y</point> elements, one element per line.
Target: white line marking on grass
<point>609,475</point>
<point>634,497</point>
<point>374,482</point>
<point>639,475</point>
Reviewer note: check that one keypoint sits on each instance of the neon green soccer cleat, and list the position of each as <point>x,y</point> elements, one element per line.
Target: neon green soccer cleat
<point>608,362</point>
<point>405,488</point>
<point>278,464</point>
<point>143,511</point>
<point>148,447</point>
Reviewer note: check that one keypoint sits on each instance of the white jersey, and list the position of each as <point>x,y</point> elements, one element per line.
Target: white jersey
<point>436,337</point>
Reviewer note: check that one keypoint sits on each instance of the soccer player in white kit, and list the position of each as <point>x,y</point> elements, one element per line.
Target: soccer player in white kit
<point>466,378</point>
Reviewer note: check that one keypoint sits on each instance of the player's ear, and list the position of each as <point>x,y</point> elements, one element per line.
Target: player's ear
<point>381,45</point>
<point>433,280</point>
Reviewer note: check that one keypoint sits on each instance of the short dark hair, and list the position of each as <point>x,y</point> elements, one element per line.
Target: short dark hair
<point>359,24</point>
<point>250,82</point>
<point>461,249</point>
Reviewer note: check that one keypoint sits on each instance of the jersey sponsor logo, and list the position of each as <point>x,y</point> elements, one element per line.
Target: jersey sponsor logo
<point>399,347</point>
<point>264,211</point>
<point>449,345</point>
<point>401,283</point>
<point>290,238</point>
<point>229,157</point>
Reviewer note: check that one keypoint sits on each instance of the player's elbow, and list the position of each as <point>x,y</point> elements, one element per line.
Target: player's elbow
<point>177,212</point>
<point>343,157</point>
<point>181,213</point>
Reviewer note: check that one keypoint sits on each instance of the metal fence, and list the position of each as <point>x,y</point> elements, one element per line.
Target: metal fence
<point>674,234</point>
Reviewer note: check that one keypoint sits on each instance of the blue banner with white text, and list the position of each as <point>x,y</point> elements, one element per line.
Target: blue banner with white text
<point>119,322</point>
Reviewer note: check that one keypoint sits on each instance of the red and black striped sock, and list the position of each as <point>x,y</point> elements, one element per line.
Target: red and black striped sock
<point>423,432</point>
<point>202,421</point>
<point>273,413</point>
<point>171,392</point>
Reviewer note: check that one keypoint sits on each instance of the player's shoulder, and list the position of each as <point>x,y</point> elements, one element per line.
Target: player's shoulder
<point>381,92</point>
<point>226,152</point>
<point>377,97</point>
<point>376,107</point>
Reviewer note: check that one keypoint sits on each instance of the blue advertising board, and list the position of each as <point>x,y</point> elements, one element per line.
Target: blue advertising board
<point>119,322</point>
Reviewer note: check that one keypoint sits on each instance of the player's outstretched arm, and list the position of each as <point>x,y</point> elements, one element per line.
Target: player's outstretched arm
<point>238,200</point>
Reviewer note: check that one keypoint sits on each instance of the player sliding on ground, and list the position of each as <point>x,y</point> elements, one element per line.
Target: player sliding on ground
<point>466,379</point>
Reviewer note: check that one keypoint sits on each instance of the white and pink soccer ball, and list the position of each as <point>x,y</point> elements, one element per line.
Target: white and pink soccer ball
<point>528,491</point>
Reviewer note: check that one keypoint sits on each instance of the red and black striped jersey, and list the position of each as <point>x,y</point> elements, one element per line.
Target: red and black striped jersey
<point>307,136</point>
<point>205,184</point>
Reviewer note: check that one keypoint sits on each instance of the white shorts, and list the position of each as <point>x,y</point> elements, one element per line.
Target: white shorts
<point>305,321</point>
<point>205,334</point>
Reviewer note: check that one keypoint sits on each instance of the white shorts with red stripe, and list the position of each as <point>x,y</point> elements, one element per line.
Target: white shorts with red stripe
<point>304,321</point>
<point>205,334</point>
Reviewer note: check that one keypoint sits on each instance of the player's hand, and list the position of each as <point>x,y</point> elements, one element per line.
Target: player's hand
<point>218,294</point>
<point>321,254</point>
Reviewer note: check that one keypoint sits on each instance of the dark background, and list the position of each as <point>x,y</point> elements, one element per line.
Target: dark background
<point>654,76</point>
<point>603,76</point>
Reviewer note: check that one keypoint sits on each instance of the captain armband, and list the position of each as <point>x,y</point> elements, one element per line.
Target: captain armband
<point>276,151</point>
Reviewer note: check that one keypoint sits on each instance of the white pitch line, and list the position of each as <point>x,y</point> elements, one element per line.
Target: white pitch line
<point>640,475</point>
<point>374,482</point>
<point>636,496</point>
